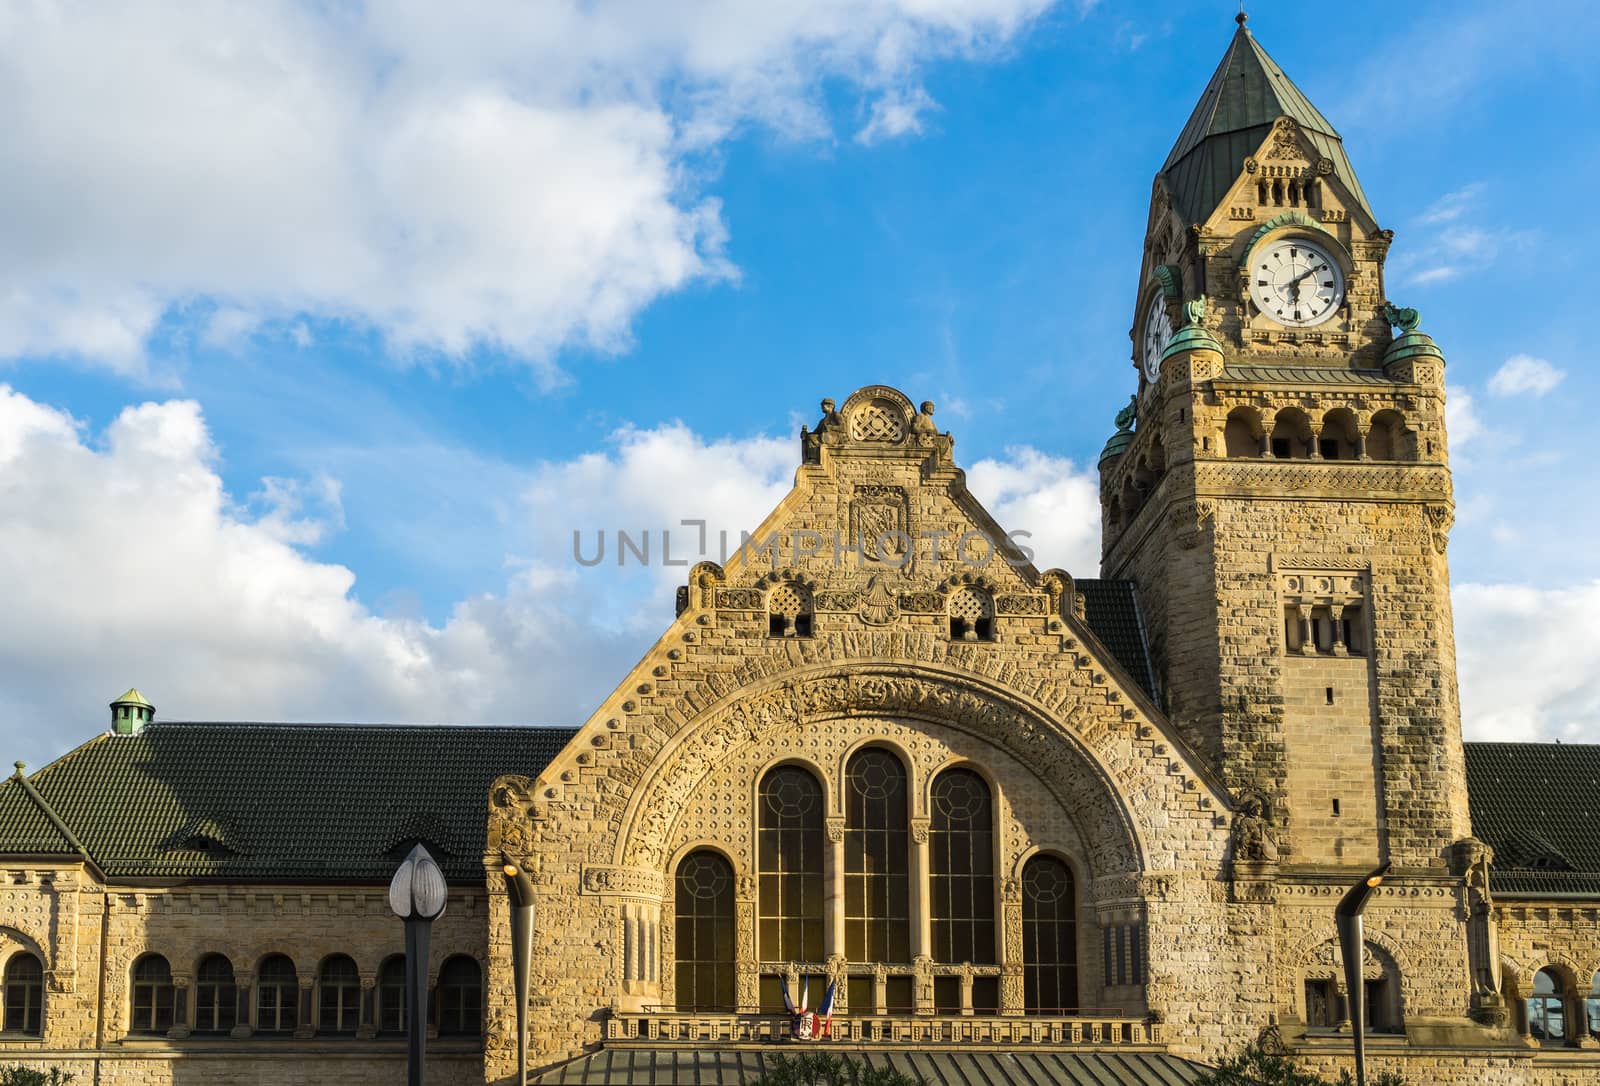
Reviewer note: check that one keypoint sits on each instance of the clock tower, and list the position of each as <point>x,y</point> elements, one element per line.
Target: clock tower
<point>1283,499</point>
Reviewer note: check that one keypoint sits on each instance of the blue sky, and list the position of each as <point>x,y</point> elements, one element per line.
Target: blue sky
<point>320,333</point>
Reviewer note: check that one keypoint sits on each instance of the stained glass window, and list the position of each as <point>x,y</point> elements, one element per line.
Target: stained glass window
<point>704,933</point>
<point>961,869</point>
<point>1049,937</point>
<point>877,873</point>
<point>789,850</point>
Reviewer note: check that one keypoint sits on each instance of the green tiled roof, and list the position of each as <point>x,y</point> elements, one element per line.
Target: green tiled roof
<point>1246,94</point>
<point>274,801</point>
<point>937,1067</point>
<point>1538,805</point>
<point>1112,611</point>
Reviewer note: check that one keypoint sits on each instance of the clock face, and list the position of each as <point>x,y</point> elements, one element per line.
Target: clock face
<point>1156,335</point>
<point>1295,282</point>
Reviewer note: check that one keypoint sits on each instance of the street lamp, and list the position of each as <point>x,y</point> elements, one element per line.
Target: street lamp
<point>1351,946</point>
<point>417,895</point>
<point>519,887</point>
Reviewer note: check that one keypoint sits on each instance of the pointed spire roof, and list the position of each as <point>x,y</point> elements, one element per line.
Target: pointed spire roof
<point>1246,94</point>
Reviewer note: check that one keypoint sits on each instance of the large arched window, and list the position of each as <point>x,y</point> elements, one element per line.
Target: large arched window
<point>152,995</point>
<point>961,869</point>
<point>277,996</point>
<point>24,994</point>
<point>338,996</point>
<point>1591,1006</point>
<point>789,846</point>
<point>704,933</point>
<point>1049,937</point>
<point>877,876</point>
<point>1546,1017</point>
<point>460,997</point>
<point>216,996</point>
<point>392,995</point>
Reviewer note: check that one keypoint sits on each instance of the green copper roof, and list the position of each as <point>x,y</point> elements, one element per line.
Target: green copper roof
<point>1538,805</point>
<point>1191,337</point>
<point>273,801</point>
<point>133,697</point>
<point>1412,345</point>
<point>1246,94</point>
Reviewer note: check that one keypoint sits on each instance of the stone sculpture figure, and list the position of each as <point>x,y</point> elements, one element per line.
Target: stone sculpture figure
<point>1252,833</point>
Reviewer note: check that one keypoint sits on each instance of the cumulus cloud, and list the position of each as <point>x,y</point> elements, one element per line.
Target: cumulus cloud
<point>521,177</point>
<point>1529,661</point>
<point>1451,243</point>
<point>1525,374</point>
<point>1052,499</point>
<point>1460,416</point>
<point>128,562</point>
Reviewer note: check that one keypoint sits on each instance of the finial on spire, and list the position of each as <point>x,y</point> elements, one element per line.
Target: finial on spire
<point>1241,18</point>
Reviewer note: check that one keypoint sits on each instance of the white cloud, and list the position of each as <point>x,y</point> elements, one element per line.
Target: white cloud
<point>127,562</point>
<point>1049,497</point>
<point>1528,660</point>
<point>1451,206</point>
<point>1460,418</point>
<point>516,176</point>
<point>1524,373</point>
<point>1448,244</point>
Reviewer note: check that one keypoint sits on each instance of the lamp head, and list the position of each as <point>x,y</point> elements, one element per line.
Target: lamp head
<point>1356,898</point>
<point>418,890</point>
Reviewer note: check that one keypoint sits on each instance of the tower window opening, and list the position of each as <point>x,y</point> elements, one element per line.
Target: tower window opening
<point>1336,808</point>
<point>1330,702</point>
<point>789,611</point>
<point>1354,630</point>
<point>1280,448</point>
<point>1328,449</point>
<point>1262,195</point>
<point>1322,629</point>
<point>971,615</point>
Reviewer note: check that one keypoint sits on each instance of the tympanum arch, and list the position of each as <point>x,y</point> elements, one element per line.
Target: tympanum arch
<point>1068,766</point>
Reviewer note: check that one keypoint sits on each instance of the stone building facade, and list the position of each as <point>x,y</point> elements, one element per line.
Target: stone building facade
<point>996,810</point>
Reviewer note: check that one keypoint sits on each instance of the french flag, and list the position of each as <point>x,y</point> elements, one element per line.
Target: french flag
<point>825,1011</point>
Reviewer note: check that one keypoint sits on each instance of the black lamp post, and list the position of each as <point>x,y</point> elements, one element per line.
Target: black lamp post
<point>519,888</point>
<point>417,895</point>
<point>1352,946</point>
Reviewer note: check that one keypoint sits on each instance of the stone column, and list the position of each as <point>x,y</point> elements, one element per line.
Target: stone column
<point>1336,620</point>
<point>921,891</point>
<point>1361,442</point>
<point>1316,441</point>
<point>1013,992</point>
<point>180,1007</point>
<point>1269,419</point>
<point>306,1026</point>
<point>833,913</point>
<point>245,1013</point>
<point>1308,640</point>
<point>368,1027</point>
<point>747,974</point>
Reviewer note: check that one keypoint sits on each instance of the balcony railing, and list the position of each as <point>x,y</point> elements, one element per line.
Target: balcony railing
<point>690,1028</point>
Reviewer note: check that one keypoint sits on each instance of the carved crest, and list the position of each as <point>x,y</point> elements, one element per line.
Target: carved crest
<point>1286,141</point>
<point>878,523</point>
<point>879,606</point>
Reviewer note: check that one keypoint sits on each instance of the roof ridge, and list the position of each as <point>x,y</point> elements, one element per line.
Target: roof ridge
<point>50,813</point>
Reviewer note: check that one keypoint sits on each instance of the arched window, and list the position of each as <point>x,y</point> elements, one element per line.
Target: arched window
<point>277,996</point>
<point>789,848</point>
<point>460,997</point>
<point>961,869</point>
<point>338,996</point>
<point>1242,435</point>
<point>216,996</point>
<point>971,615</point>
<point>1546,1017</point>
<point>1592,1006</point>
<point>24,994</point>
<point>392,995</point>
<point>1291,434</point>
<point>152,995</point>
<point>1339,430</point>
<point>704,933</point>
<point>789,610</point>
<point>1049,937</point>
<point>877,872</point>
<point>1386,438</point>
